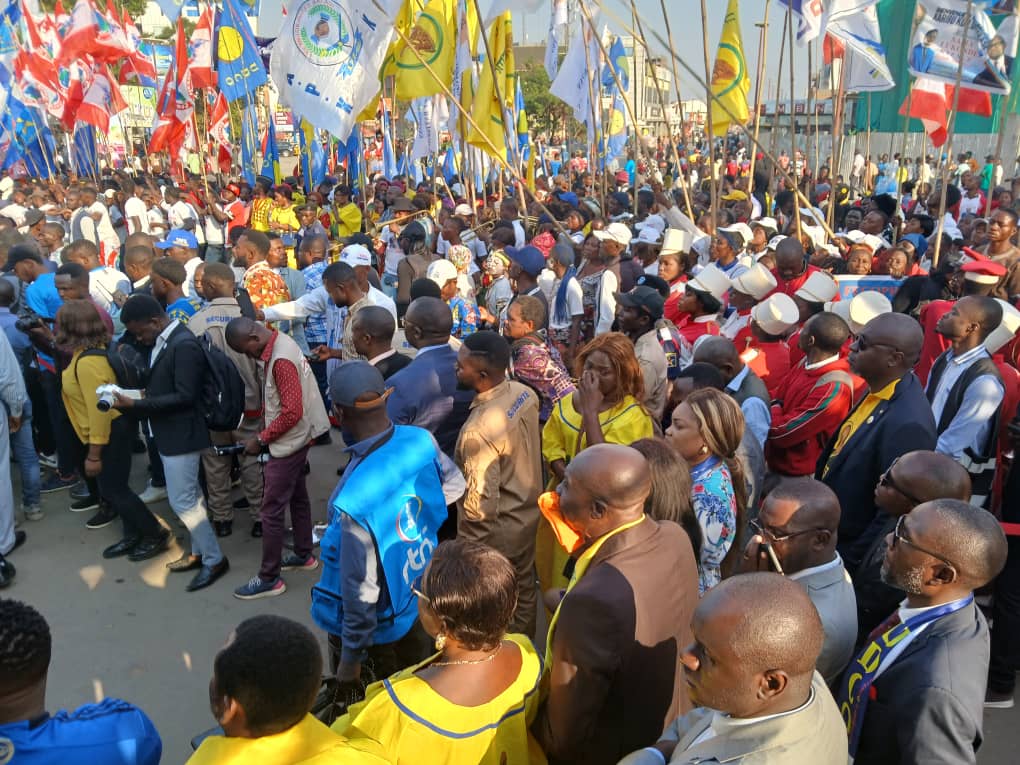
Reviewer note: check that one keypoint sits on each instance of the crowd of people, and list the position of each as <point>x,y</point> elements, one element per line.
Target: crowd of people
<point>749,510</point>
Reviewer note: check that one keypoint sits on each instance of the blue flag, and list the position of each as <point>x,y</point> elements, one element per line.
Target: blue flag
<point>351,152</point>
<point>417,176</point>
<point>25,136</point>
<point>249,140</point>
<point>271,156</point>
<point>389,158</point>
<point>83,154</point>
<point>618,61</point>
<point>449,165</point>
<point>405,165</point>
<point>313,156</point>
<point>521,121</point>
<point>616,142</point>
<point>238,61</point>
<point>171,8</point>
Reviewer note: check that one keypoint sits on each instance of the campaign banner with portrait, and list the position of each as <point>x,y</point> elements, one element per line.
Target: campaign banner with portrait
<point>940,41</point>
<point>851,285</point>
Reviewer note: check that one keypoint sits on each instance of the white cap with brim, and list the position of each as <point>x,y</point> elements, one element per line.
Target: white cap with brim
<point>356,255</point>
<point>774,242</point>
<point>1006,330</point>
<point>712,280</point>
<point>860,309</point>
<point>819,287</point>
<point>647,236</point>
<point>769,224</point>
<point>777,314</point>
<point>757,281</point>
<point>676,241</point>
<point>614,232</point>
<point>441,271</point>
<point>656,222</point>
<point>463,210</point>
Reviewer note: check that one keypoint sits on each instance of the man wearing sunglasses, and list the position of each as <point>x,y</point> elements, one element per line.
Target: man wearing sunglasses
<point>894,417</point>
<point>795,535</point>
<point>911,480</point>
<point>916,690</point>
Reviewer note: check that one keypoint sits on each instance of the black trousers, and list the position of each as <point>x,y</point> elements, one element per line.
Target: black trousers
<point>1005,658</point>
<point>390,658</point>
<point>63,433</point>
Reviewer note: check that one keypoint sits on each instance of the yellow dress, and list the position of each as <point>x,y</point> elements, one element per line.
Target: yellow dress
<point>307,743</point>
<point>415,725</point>
<point>285,216</point>
<point>623,424</point>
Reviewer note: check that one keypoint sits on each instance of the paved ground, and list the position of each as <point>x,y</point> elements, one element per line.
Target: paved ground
<point>130,630</point>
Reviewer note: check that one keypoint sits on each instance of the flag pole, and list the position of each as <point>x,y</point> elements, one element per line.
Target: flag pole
<point>774,143</point>
<point>680,108</point>
<point>793,135</point>
<point>998,153</point>
<point>595,106</point>
<point>714,192</point>
<point>662,102</point>
<point>763,28</point>
<point>838,112</point>
<point>867,149</point>
<point>906,131</point>
<point>950,128</point>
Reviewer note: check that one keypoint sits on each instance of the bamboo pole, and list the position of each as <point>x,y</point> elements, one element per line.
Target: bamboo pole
<point>867,151</point>
<point>708,117</point>
<point>998,153</point>
<point>774,143</point>
<point>838,111</point>
<point>680,110</point>
<point>763,29</point>
<point>950,128</point>
<point>793,134</point>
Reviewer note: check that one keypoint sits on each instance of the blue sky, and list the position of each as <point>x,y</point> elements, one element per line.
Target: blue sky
<point>685,19</point>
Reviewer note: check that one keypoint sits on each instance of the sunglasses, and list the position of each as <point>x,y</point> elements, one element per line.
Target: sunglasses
<point>887,480</point>
<point>863,343</point>
<point>769,536</point>
<point>898,537</point>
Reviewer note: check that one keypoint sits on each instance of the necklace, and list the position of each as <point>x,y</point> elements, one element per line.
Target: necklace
<point>487,659</point>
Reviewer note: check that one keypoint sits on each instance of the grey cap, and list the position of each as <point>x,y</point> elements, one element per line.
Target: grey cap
<point>353,379</point>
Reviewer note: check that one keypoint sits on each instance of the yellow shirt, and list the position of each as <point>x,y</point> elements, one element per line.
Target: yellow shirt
<point>860,416</point>
<point>260,209</point>
<point>348,220</point>
<point>307,743</point>
<point>78,390</point>
<point>416,725</point>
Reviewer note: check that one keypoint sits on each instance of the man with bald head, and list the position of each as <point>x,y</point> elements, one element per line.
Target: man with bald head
<point>911,480</point>
<point>425,392</point>
<point>966,391</point>
<point>798,521</point>
<point>893,418</point>
<point>372,330</point>
<point>751,670</point>
<point>916,690</point>
<point>792,267</point>
<point>741,383</point>
<point>615,641</point>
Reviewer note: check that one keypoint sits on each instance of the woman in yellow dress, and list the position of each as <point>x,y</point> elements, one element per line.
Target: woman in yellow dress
<point>475,700</point>
<point>606,408</point>
<point>283,220</point>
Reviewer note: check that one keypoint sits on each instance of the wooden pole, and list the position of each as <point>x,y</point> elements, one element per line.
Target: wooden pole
<point>680,111</point>
<point>793,132</point>
<point>763,29</point>
<point>998,153</point>
<point>950,128</point>
<point>774,143</point>
<point>838,131</point>
<point>708,116</point>
<point>867,151</point>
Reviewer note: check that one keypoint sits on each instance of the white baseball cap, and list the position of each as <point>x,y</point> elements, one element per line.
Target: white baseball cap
<point>462,210</point>
<point>441,271</point>
<point>647,235</point>
<point>356,255</point>
<point>614,232</point>
<point>656,222</point>
<point>776,314</point>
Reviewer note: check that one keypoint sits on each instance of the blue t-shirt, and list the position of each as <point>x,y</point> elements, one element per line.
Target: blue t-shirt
<point>183,309</point>
<point>111,732</point>
<point>42,297</point>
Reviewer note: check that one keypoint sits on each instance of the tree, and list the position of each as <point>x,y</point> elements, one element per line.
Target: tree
<point>546,113</point>
<point>135,7</point>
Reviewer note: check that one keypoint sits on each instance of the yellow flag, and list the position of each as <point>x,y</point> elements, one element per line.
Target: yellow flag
<point>494,95</point>
<point>434,37</point>
<point>730,82</point>
<point>403,22</point>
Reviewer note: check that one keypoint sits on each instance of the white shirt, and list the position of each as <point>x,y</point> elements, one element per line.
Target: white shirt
<point>971,427</point>
<point>574,299</point>
<point>104,227</point>
<point>822,363</point>
<point>835,562</point>
<point>161,340</point>
<point>135,208</point>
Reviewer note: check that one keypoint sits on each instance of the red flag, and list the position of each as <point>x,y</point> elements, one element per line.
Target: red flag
<point>219,125</point>
<point>75,93</point>
<point>173,107</point>
<point>832,48</point>
<point>80,38</point>
<point>971,101</point>
<point>184,98</point>
<point>927,102</point>
<point>138,67</point>
<point>102,100</point>
<point>201,65</point>
<point>58,10</point>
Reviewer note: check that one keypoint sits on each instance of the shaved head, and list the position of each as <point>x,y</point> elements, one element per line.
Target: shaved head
<point>931,475</point>
<point>818,504</point>
<point>376,322</point>
<point>613,474</point>
<point>967,536</point>
<point>900,331</point>
<point>718,351</point>
<point>431,315</point>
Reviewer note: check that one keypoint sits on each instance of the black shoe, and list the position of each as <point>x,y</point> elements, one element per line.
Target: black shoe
<point>103,518</point>
<point>150,547</point>
<point>186,562</point>
<point>80,491</point>
<point>138,446</point>
<point>124,547</point>
<point>256,529</point>
<point>208,575</point>
<point>324,440</point>
<point>242,504</point>
<point>19,540</point>
<point>84,505</point>
<point>223,528</point>
<point>7,572</point>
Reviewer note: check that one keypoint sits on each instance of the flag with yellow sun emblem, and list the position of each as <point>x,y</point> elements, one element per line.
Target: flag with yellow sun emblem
<point>730,82</point>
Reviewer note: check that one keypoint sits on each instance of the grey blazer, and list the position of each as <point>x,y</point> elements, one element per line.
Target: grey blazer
<point>833,595</point>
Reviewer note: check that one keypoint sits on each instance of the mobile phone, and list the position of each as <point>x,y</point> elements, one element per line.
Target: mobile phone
<point>772,557</point>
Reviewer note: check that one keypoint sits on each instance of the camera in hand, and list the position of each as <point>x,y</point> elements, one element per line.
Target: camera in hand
<point>106,395</point>
<point>27,320</point>
<point>228,450</point>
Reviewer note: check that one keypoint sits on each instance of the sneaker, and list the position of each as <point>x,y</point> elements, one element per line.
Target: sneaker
<point>48,460</point>
<point>56,483</point>
<point>33,513</point>
<point>996,700</point>
<point>256,588</point>
<point>103,518</point>
<point>293,562</point>
<point>84,505</point>
<point>7,572</point>
<point>153,494</point>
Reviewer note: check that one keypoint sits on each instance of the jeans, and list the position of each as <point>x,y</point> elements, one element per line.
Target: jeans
<point>285,485</point>
<point>63,433</point>
<point>23,446</point>
<point>187,502</point>
<point>113,481</point>
<point>388,282</point>
<point>6,491</point>
<point>214,254</point>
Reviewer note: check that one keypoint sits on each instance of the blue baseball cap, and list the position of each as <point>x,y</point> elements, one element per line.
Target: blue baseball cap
<point>529,258</point>
<point>178,237</point>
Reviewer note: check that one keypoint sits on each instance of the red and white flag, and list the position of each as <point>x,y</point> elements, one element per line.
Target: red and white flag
<point>201,66</point>
<point>931,100</point>
<point>80,38</point>
<point>102,100</point>
<point>219,133</point>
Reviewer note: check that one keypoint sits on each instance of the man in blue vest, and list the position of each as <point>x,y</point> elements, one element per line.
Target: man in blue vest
<point>383,517</point>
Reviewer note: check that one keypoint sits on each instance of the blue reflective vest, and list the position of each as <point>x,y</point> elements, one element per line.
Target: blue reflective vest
<point>396,494</point>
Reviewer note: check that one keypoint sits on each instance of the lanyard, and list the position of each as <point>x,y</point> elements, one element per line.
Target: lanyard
<point>855,688</point>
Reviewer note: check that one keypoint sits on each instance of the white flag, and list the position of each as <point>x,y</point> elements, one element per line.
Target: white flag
<point>557,29</point>
<point>579,74</point>
<point>326,60</point>
<point>855,24</point>
<point>426,130</point>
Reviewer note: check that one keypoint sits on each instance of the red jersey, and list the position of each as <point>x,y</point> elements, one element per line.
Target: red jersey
<point>771,362</point>
<point>788,288</point>
<point>934,343</point>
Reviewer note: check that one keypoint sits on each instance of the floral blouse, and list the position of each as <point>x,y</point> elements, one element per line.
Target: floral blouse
<point>715,506</point>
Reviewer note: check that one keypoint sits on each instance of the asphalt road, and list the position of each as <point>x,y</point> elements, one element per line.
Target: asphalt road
<point>130,630</point>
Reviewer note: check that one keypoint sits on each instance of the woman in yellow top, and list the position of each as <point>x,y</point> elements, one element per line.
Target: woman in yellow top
<point>606,408</point>
<point>283,220</point>
<point>475,700</point>
<point>105,436</point>
<point>261,204</point>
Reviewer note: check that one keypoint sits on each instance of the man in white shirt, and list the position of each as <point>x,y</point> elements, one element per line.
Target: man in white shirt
<point>798,522</point>
<point>104,281</point>
<point>135,212</point>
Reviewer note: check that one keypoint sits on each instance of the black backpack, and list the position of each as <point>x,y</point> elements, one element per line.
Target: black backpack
<point>130,368</point>
<point>222,399</point>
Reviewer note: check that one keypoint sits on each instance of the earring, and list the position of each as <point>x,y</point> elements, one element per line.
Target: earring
<point>440,641</point>
<point>703,449</point>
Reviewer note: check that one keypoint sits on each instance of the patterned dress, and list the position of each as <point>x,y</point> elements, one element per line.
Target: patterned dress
<point>715,505</point>
<point>465,316</point>
<point>538,365</point>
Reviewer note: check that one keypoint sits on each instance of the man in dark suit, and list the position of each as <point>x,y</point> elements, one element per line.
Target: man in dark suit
<point>894,418</point>
<point>425,392</point>
<point>916,691</point>
<point>177,368</point>
<point>618,636</point>
<point>373,329</point>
